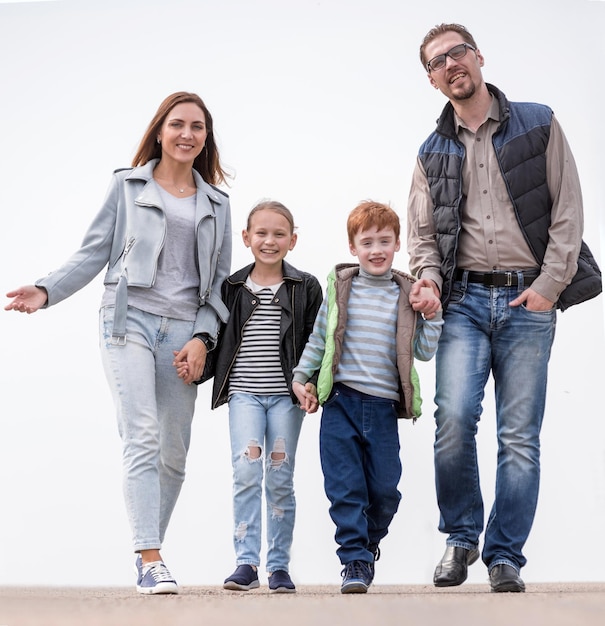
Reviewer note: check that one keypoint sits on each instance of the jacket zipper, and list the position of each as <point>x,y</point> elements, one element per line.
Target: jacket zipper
<point>208,287</point>
<point>128,246</point>
<point>238,346</point>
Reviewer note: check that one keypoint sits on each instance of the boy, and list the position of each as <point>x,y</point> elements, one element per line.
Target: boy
<point>363,343</point>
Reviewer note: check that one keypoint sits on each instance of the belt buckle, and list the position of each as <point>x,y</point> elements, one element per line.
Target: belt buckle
<point>499,279</point>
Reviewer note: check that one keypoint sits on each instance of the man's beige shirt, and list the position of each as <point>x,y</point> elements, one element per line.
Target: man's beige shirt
<point>490,237</point>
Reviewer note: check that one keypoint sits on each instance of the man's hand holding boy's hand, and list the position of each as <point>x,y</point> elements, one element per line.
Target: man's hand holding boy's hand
<point>424,297</point>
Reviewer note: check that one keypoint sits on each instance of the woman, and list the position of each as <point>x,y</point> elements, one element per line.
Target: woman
<point>164,234</point>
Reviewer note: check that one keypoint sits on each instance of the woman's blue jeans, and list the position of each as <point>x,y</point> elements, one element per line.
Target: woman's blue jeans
<point>359,450</point>
<point>264,432</point>
<point>154,411</point>
<point>482,334</point>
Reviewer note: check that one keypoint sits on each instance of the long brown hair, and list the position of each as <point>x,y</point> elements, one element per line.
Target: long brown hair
<point>207,163</point>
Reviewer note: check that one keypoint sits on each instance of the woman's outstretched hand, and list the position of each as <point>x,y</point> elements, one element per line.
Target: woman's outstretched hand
<point>26,299</point>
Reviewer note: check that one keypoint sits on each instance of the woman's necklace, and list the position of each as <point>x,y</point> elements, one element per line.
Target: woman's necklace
<point>179,188</point>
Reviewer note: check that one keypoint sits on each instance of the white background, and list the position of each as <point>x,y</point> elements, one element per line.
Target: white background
<point>319,104</point>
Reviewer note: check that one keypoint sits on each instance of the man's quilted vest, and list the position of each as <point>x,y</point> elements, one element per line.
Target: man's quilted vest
<point>520,144</point>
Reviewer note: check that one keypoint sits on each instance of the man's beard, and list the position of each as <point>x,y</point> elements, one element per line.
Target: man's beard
<point>465,95</point>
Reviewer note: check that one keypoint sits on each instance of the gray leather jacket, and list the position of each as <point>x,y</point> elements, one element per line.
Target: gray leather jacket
<point>127,236</point>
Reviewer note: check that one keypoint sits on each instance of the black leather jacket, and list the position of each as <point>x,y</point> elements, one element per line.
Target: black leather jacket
<point>299,296</point>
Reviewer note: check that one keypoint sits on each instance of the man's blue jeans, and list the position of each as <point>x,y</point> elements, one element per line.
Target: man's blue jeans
<point>264,432</point>
<point>359,449</point>
<point>482,334</point>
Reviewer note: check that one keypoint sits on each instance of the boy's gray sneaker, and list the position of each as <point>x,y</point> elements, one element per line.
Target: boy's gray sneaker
<point>357,576</point>
<point>375,550</point>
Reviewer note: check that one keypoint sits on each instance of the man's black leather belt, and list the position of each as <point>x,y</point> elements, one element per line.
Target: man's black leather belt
<point>498,279</point>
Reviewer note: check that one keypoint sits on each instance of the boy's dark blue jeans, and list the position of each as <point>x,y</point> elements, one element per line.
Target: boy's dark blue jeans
<point>359,448</point>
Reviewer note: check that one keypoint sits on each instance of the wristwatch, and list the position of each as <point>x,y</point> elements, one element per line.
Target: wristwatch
<point>205,339</point>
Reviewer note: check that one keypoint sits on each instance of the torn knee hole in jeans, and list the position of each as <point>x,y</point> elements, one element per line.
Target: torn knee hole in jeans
<point>278,455</point>
<point>253,451</point>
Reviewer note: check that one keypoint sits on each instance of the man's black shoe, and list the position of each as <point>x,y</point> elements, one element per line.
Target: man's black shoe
<point>452,570</point>
<point>505,577</point>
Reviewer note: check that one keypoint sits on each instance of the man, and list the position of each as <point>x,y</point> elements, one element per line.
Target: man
<point>495,225</point>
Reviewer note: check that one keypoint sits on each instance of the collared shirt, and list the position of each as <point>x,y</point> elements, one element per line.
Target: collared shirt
<point>487,241</point>
<point>490,237</point>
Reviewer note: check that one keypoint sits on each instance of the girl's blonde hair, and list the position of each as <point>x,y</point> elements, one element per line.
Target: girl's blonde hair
<point>272,205</point>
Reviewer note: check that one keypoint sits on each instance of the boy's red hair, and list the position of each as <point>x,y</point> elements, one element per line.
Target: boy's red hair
<point>369,214</point>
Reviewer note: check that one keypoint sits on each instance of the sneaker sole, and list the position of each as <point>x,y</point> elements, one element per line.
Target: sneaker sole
<point>233,586</point>
<point>282,590</point>
<point>354,587</point>
<point>160,588</point>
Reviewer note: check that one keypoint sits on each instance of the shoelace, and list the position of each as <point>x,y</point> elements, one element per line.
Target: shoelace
<point>376,552</point>
<point>357,569</point>
<point>160,573</point>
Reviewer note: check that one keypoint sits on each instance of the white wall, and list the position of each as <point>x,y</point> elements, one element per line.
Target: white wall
<point>319,104</point>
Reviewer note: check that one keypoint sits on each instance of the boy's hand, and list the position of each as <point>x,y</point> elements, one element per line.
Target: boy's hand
<point>424,297</point>
<point>307,396</point>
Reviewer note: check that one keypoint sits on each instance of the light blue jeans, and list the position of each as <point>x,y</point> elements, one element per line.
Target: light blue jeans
<point>264,435</point>
<point>154,412</point>
<point>482,334</point>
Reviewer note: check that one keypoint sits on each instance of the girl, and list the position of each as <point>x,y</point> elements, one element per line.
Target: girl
<point>272,309</point>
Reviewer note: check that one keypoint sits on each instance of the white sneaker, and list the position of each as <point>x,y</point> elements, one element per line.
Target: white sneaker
<point>154,578</point>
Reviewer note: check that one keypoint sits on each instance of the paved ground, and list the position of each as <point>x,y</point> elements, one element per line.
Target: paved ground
<point>574,604</point>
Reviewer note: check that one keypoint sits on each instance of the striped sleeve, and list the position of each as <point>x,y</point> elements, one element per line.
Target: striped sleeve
<point>311,358</point>
<point>427,336</point>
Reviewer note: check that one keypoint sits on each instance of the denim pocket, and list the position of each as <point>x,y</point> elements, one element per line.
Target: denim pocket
<point>334,393</point>
<point>458,293</point>
<point>547,313</point>
<point>106,315</point>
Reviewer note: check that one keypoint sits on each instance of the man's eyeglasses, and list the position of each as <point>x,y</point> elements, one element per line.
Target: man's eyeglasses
<point>457,52</point>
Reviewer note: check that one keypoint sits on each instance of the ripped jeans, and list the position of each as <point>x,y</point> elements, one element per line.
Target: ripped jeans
<point>264,434</point>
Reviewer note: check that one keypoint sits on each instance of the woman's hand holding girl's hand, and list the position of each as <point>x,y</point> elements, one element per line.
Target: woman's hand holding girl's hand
<point>190,360</point>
